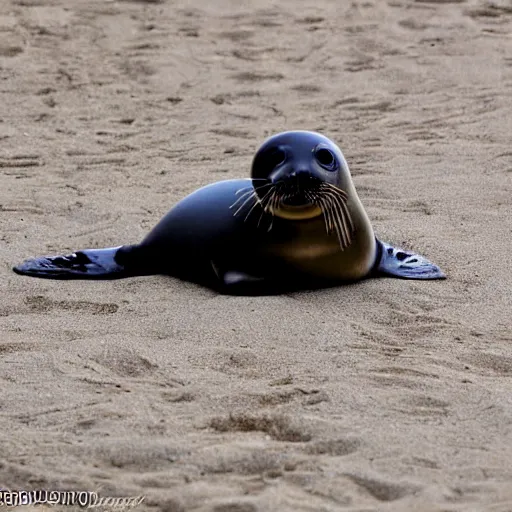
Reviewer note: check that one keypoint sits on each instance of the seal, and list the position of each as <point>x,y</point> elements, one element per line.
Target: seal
<point>296,223</point>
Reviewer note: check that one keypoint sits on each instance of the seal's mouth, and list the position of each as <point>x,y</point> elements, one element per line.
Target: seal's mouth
<point>297,190</point>
<point>294,201</point>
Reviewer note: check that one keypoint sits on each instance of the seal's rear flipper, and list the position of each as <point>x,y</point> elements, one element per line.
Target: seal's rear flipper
<point>400,263</point>
<point>87,264</point>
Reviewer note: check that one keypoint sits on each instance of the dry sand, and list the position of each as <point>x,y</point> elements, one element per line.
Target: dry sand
<point>386,395</point>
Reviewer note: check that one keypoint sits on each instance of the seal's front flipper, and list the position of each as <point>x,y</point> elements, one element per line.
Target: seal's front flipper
<point>400,263</point>
<point>87,264</point>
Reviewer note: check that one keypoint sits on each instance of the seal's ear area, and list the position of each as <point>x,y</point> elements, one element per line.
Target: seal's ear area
<point>400,263</point>
<point>88,264</point>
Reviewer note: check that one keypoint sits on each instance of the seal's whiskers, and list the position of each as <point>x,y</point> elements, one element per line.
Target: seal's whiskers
<point>250,198</point>
<point>329,198</point>
<point>247,197</point>
<point>273,205</point>
<point>260,202</point>
<point>333,203</point>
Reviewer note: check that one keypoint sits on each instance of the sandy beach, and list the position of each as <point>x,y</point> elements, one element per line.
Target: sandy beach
<point>385,395</point>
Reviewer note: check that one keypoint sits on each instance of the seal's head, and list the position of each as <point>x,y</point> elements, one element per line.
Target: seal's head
<point>300,175</point>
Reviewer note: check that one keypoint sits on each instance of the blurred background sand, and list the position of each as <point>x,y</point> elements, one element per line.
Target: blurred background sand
<point>385,395</point>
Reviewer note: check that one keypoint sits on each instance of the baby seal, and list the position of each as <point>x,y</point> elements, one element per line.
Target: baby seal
<point>296,223</point>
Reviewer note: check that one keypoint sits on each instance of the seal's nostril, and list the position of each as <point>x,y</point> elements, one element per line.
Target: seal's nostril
<point>300,174</point>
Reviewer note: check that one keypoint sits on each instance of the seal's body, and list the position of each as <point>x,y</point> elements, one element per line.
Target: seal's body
<point>298,222</point>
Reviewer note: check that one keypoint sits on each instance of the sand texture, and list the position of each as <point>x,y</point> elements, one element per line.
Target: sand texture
<point>386,395</point>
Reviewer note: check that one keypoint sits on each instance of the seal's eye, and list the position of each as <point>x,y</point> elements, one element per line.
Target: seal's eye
<point>326,159</point>
<point>275,157</point>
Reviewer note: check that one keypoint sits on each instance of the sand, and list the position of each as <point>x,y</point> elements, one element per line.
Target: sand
<point>385,395</point>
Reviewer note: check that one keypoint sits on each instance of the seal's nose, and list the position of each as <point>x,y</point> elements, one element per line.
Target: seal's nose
<point>298,176</point>
<point>291,177</point>
<point>301,176</point>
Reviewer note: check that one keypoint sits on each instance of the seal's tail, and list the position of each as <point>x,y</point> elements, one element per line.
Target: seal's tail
<point>109,263</point>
